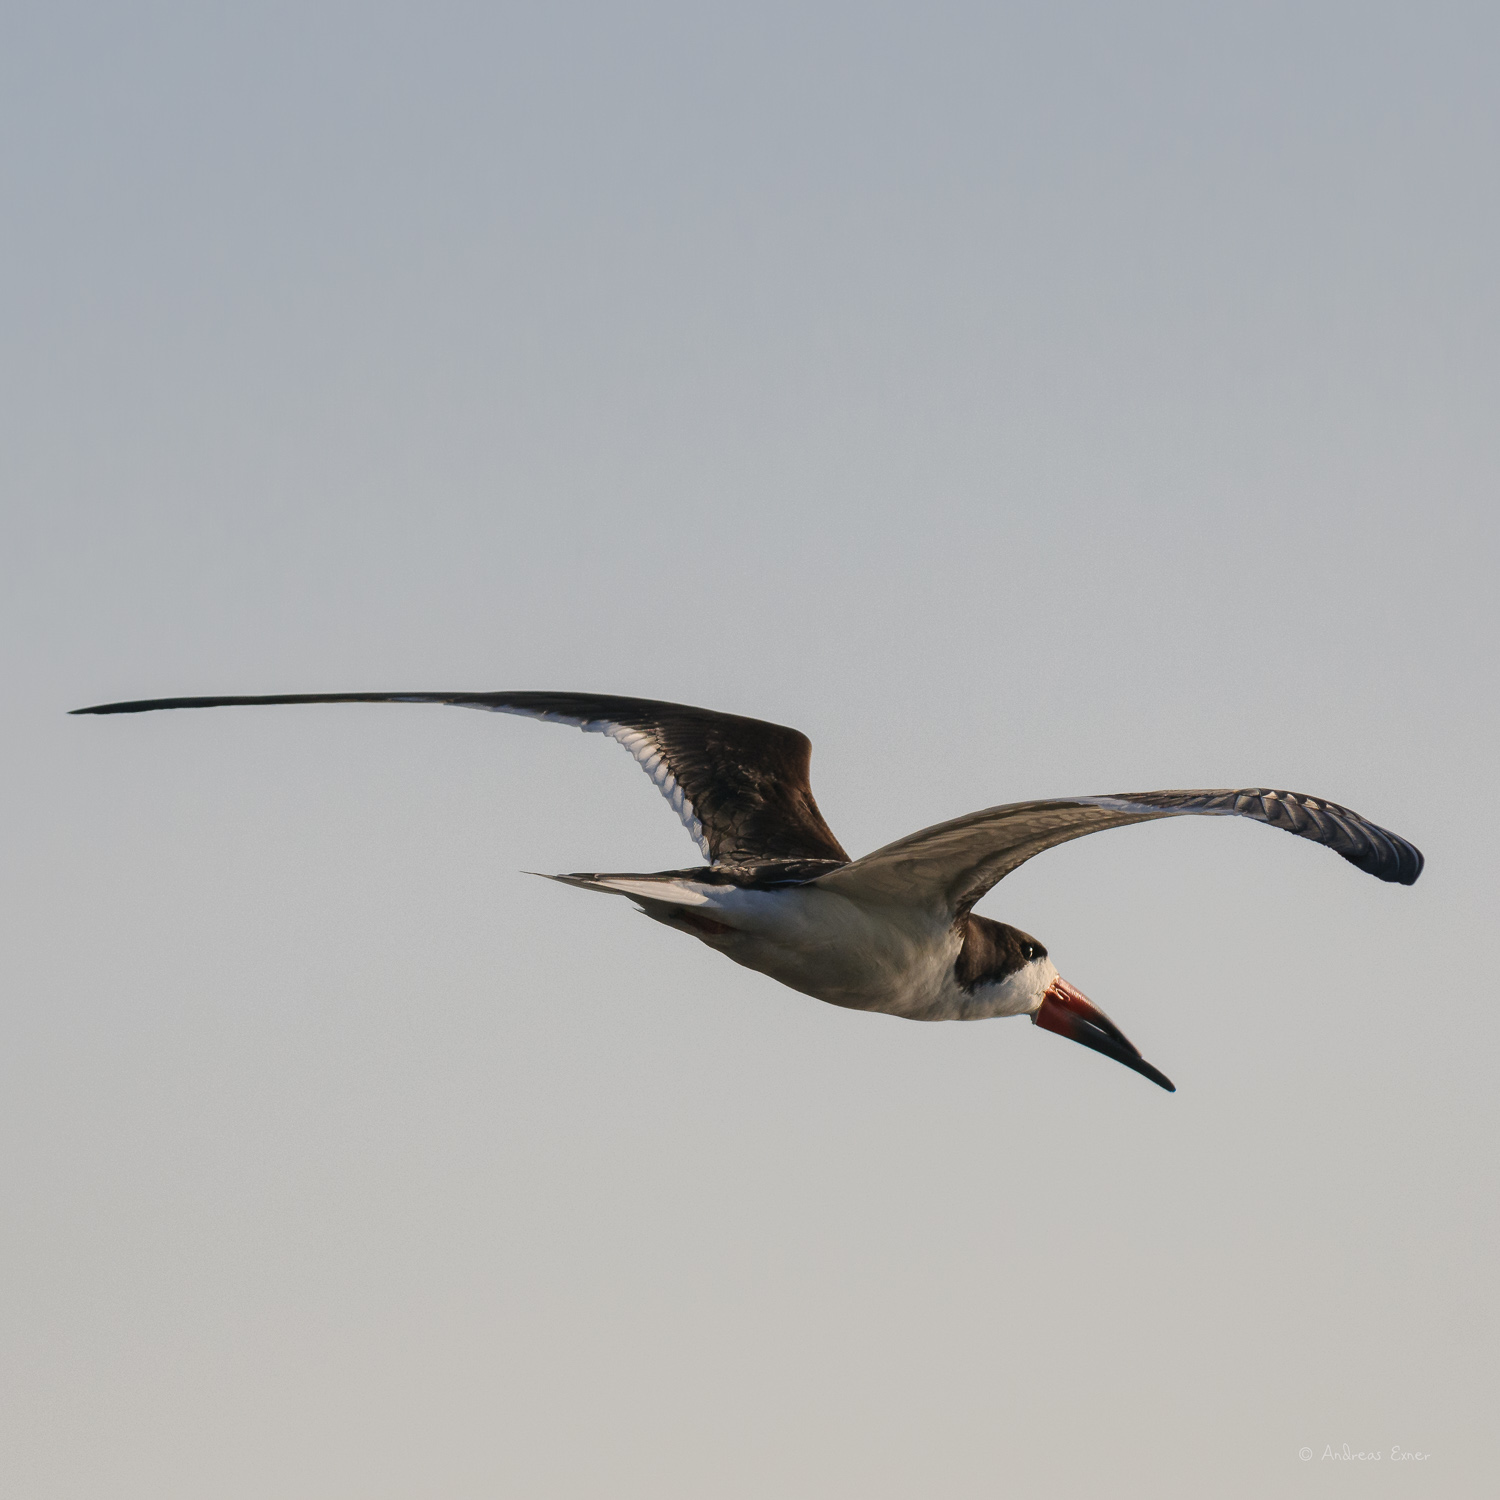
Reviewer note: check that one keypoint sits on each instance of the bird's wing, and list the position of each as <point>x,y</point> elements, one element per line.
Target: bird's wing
<point>739,785</point>
<point>951,865</point>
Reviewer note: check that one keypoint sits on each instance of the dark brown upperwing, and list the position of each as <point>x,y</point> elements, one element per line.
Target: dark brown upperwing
<point>740,785</point>
<point>951,865</point>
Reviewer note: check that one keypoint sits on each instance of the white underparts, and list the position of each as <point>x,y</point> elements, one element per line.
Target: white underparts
<point>899,961</point>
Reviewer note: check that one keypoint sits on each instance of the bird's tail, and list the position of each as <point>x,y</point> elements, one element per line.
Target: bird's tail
<point>671,888</point>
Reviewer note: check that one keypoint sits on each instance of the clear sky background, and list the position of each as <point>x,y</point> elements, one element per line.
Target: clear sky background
<point>1023,401</point>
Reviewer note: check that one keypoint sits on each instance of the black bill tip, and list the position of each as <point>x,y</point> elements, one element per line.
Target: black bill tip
<point>1070,1013</point>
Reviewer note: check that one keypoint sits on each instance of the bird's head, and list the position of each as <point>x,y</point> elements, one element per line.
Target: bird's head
<point>1017,977</point>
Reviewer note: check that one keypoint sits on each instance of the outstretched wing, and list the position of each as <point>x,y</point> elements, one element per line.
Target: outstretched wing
<point>740,786</point>
<point>953,864</point>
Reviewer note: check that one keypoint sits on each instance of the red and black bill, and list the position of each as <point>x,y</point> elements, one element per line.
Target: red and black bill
<point>1072,1014</point>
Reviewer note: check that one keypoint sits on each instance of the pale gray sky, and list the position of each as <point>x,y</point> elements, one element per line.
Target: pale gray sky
<point>1020,400</point>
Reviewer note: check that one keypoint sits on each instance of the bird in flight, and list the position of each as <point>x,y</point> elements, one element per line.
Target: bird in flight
<point>895,931</point>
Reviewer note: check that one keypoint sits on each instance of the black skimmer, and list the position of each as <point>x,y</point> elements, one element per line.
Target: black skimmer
<point>894,931</point>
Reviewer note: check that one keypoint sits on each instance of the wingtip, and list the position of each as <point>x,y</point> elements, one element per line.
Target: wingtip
<point>123,708</point>
<point>1406,872</point>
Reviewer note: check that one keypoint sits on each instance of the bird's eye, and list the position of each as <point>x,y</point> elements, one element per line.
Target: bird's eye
<point>1029,951</point>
